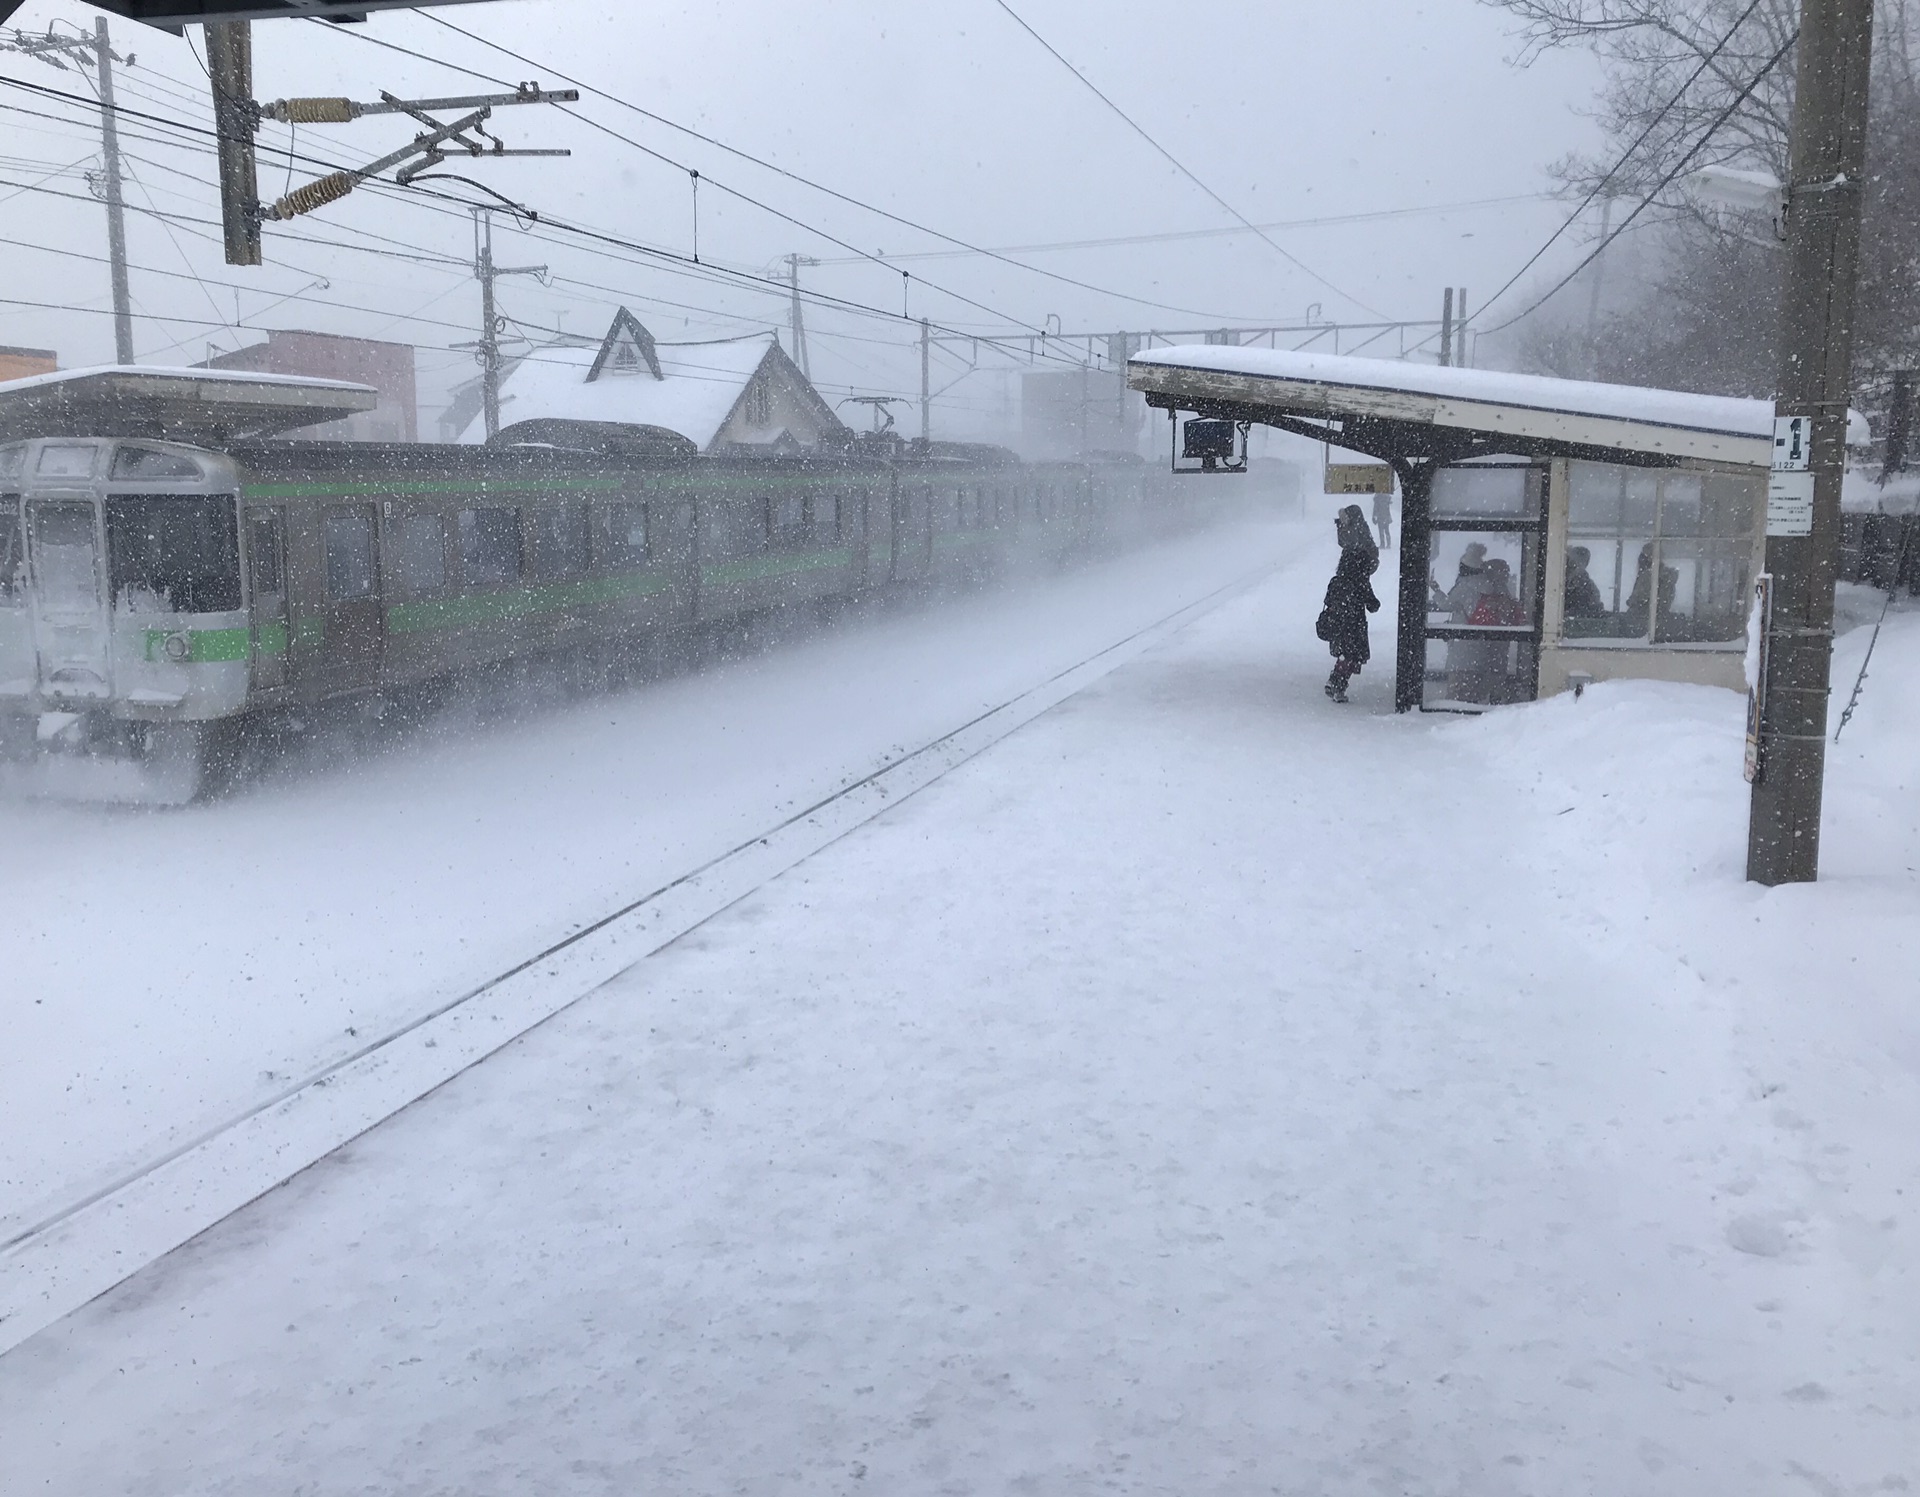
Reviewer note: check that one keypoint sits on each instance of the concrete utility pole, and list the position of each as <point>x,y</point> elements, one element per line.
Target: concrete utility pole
<point>1460,327</point>
<point>1599,271</point>
<point>794,262</point>
<point>486,272</point>
<point>235,122</point>
<point>1827,163</point>
<point>100,45</point>
<point>1446,329</point>
<point>926,413</point>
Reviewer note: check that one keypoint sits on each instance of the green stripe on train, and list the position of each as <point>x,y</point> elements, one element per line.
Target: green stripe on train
<point>481,488</point>
<point>205,646</point>
<point>483,608</point>
<point>755,568</point>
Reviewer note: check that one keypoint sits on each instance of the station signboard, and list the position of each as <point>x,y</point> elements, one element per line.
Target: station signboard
<point>1359,478</point>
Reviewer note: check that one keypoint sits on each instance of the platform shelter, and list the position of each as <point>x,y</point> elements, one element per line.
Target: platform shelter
<point>204,406</point>
<point>1553,532</point>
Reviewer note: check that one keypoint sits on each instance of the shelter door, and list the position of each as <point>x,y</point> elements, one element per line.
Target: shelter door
<point>353,617</point>
<point>72,635</point>
<point>1487,561</point>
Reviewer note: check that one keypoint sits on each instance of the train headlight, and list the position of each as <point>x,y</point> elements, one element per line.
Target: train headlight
<point>177,648</point>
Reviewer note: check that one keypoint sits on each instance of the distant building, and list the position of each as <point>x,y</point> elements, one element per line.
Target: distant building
<point>1071,413</point>
<point>18,363</point>
<point>732,394</point>
<point>388,367</point>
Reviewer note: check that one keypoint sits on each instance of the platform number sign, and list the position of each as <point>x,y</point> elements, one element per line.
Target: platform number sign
<point>1790,484</point>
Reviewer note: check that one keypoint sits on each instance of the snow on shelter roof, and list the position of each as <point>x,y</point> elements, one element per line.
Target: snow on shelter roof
<point>1541,411</point>
<point>134,400</point>
<point>699,386</point>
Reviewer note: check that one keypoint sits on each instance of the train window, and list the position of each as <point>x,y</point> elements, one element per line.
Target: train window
<point>627,538</point>
<point>349,537</point>
<point>13,551</point>
<point>264,551</point>
<point>420,549</point>
<point>826,517</point>
<point>65,460</point>
<point>147,462</point>
<point>490,545</point>
<point>789,518</point>
<point>560,540</point>
<point>174,553</point>
<point>13,458</point>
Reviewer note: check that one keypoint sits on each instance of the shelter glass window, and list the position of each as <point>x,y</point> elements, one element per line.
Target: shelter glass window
<point>1660,557</point>
<point>627,538</point>
<point>560,544</point>
<point>173,553</point>
<point>420,547</point>
<point>1484,490</point>
<point>349,538</point>
<point>490,547</point>
<point>13,551</point>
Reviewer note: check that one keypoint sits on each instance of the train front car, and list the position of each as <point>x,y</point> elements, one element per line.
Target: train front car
<point>124,627</point>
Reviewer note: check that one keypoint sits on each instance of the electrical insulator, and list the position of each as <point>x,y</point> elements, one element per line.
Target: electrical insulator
<point>314,111</point>
<point>316,194</point>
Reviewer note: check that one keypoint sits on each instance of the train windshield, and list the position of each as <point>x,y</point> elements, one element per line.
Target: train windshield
<point>174,553</point>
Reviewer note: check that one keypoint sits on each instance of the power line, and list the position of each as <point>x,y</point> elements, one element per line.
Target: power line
<point>962,245</point>
<point>1659,187</point>
<point>1178,166</point>
<point>1620,164</point>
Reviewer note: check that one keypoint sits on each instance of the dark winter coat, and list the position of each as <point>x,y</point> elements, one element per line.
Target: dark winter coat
<point>1343,621</point>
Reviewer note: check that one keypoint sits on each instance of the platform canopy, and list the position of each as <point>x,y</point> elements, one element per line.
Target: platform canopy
<point>185,405</point>
<point>1397,411</point>
<point>174,15</point>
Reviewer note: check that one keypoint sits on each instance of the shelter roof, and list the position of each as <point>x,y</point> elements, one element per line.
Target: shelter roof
<point>184,404</point>
<point>1394,409</point>
<point>698,386</point>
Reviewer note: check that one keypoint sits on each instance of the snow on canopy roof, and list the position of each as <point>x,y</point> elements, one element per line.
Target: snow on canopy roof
<point>700,385</point>
<point>147,400</point>
<point>1573,411</point>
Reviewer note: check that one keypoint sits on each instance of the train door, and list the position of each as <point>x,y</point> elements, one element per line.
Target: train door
<point>877,504</point>
<point>353,621</point>
<point>267,579</point>
<point>70,625</point>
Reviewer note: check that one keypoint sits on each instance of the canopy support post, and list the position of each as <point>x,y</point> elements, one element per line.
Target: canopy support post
<point>1416,561</point>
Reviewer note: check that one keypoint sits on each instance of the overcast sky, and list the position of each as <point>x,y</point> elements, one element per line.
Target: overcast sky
<point>947,114</point>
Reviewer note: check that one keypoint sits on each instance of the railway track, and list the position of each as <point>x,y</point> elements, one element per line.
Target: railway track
<point>80,1249</point>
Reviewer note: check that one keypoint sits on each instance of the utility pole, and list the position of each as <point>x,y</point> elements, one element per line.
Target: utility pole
<point>794,262</point>
<point>1460,327</point>
<point>1827,162</point>
<point>485,271</point>
<point>1446,329</point>
<point>49,48</point>
<point>1599,271</point>
<point>926,416</point>
<point>236,121</point>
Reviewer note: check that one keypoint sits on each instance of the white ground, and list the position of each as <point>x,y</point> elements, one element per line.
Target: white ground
<point>1206,1090</point>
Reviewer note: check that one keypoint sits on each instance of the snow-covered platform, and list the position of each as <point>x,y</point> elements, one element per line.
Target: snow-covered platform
<point>1207,1089</point>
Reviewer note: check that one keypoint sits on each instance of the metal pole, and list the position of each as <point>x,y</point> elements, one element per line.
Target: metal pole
<point>1460,327</point>
<point>1446,329</point>
<point>230,72</point>
<point>1827,161</point>
<point>489,322</point>
<point>1599,272</point>
<point>116,211</point>
<point>794,262</point>
<point>926,422</point>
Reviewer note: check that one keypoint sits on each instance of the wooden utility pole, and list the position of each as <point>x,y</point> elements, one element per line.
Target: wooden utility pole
<point>1446,328</point>
<point>1826,165</point>
<point>235,121</point>
<point>491,323</point>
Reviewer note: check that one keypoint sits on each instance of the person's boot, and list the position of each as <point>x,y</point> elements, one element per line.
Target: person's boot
<point>1334,684</point>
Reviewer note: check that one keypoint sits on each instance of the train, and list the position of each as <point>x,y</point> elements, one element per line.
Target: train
<point>159,598</point>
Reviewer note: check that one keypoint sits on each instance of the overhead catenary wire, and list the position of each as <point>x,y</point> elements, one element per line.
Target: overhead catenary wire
<point>1179,166</point>
<point>962,246</point>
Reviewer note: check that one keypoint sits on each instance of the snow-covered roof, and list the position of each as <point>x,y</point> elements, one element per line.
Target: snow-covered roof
<point>142,400</point>
<point>699,386</point>
<point>1575,412</point>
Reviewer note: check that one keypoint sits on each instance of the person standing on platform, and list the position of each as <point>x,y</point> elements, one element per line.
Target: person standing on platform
<point>1383,519</point>
<point>1350,598</point>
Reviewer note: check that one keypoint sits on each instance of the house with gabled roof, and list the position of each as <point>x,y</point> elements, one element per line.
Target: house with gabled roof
<point>730,394</point>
